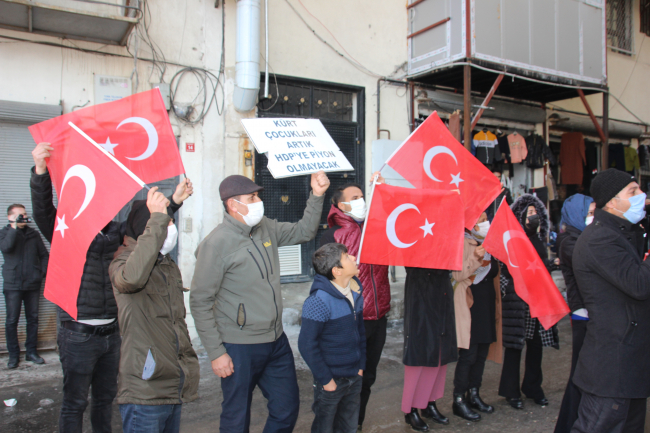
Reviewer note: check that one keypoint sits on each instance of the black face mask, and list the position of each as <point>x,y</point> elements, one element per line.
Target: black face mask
<point>533,224</point>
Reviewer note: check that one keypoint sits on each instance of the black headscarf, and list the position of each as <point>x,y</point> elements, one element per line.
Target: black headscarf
<point>138,218</point>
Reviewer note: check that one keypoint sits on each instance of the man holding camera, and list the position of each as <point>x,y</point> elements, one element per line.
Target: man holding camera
<point>25,265</point>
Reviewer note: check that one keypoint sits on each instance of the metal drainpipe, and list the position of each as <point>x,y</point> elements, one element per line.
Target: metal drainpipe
<point>247,68</point>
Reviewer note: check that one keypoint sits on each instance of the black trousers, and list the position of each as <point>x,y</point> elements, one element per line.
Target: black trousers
<point>375,340</point>
<point>470,366</point>
<point>337,411</point>
<point>532,384</point>
<point>89,362</point>
<point>571,401</point>
<point>14,299</point>
<point>610,415</point>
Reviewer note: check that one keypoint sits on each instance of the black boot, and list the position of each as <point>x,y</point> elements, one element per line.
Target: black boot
<point>13,361</point>
<point>434,414</point>
<point>33,357</point>
<point>475,401</point>
<point>413,419</point>
<point>462,409</point>
<point>515,402</point>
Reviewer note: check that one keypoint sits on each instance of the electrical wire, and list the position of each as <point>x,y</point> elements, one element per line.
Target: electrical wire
<point>277,88</point>
<point>633,68</point>
<point>353,62</point>
<point>209,85</point>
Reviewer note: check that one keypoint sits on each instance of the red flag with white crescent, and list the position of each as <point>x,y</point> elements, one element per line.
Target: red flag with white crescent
<point>135,130</point>
<point>507,241</point>
<point>413,227</point>
<point>431,158</point>
<point>91,190</point>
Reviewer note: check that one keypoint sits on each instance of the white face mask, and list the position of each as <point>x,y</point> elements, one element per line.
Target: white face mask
<point>482,229</point>
<point>170,242</point>
<point>358,211</point>
<point>589,219</point>
<point>255,213</point>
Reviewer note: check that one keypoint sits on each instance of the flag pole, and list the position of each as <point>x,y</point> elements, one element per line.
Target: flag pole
<point>119,164</point>
<point>363,233</point>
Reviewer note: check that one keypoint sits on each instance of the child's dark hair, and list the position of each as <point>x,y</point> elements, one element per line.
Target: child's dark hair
<point>328,257</point>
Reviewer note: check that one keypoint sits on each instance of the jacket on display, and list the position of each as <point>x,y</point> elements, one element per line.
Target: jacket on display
<point>538,152</point>
<point>25,258</point>
<point>485,147</point>
<point>614,282</point>
<point>572,157</point>
<point>374,278</point>
<point>518,149</point>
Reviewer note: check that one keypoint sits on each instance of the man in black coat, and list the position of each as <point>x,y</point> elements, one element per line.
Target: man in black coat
<point>613,369</point>
<point>25,265</point>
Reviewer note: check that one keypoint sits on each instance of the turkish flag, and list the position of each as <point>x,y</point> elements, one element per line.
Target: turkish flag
<point>412,227</point>
<point>135,129</point>
<point>507,241</point>
<point>431,158</point>
<point>91,191</point>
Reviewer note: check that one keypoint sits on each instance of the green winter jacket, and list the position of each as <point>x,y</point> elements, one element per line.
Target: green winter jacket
<point>235,294</point>
<point>157,364</point>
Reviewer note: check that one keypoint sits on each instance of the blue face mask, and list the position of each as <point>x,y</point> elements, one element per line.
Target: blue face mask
<point>636,212</point>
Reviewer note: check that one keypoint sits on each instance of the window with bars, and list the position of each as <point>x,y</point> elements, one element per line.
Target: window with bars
<point>619,25</point>
<point>645,16</point>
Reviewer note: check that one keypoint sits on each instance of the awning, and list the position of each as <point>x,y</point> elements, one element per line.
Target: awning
<point>88,20</point>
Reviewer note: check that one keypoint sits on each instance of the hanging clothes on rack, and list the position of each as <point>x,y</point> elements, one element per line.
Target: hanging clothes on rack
<point>486,147</point>
<point>617,156</point>
<point>517,146</point>
<point>454,124</point>
<point>572,158</point>
<point>631,160</point>
<point>538,152</point>
<point>504,146</point>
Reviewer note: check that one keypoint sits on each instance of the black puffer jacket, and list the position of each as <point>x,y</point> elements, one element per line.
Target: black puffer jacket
<point>567,242</point>
<point>538,152</point>
<point>96,300</point>
<point>514,310</point>
<point>25,258</point>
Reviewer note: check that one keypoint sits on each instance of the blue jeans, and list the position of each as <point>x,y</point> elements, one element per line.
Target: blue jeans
<point>88,361</point>
<point>140,418</point>
<point>338,410</point>
<point>269,366</point>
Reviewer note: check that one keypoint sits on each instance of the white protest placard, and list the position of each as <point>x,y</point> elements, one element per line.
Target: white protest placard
<point>295,146</point>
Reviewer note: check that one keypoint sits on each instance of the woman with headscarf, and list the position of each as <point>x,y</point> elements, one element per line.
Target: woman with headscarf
<point>519,328</point>
<point>475,302</point>
<point>577,214</point>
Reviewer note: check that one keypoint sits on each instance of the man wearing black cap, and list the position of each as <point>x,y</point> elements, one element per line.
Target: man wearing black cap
<point>613,369</point>
<point>236,303</point>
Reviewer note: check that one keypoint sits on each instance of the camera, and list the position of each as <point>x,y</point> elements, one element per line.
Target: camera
<point>21,219</point>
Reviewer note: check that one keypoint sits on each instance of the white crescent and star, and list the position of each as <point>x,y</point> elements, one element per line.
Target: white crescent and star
<point>151,133</point>
<point>88,178</point>
<point>428,157</point>
<point>506,238</point>
<point>392,219</point>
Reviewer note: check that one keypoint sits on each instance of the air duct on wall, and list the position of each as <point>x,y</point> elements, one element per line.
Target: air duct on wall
<point>247,68</point>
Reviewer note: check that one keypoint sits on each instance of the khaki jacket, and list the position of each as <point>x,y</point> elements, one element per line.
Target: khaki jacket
<point>463,299</point>
<point>235,295</point>
<point>158,364</point>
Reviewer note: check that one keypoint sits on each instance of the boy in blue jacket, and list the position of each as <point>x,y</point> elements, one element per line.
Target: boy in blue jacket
<point>332,339</point>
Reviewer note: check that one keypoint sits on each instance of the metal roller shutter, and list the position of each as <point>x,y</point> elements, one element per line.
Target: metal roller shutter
<point>16,161</point>
<point>16,145</point>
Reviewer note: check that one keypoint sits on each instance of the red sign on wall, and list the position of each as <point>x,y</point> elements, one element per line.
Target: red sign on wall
<point>189,147</point>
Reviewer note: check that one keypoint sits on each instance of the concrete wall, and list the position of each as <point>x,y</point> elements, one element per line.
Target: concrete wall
<point>189,33</point>
<point>628,80</point>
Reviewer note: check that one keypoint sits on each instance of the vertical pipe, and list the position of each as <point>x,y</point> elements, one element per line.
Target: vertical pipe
<point>412,96</point>
<point>605,150</point>
<point>378,107</point>
<point>266,56</point>
<point>467,106</point>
